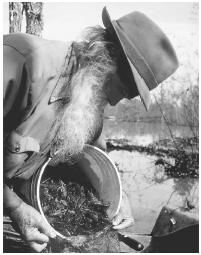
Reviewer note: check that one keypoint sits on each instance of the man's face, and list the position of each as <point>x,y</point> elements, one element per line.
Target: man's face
<point>115,90</point>
<point>82,118</point>
<point>121,83</point>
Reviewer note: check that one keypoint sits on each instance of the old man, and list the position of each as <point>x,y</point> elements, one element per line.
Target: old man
<point>55,94</point>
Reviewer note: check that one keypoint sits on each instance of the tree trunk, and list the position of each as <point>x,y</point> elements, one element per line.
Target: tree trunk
<point>34,17</point>
<point>15,17</point>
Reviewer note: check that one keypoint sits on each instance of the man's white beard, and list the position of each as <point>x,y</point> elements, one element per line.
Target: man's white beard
<point>82,118</point>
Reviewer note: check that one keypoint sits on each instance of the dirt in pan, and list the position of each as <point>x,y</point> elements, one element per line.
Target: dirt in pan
<point>72,207</point>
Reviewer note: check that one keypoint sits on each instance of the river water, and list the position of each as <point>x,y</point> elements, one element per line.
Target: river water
<point>143,133</point>
<point>147,186</point>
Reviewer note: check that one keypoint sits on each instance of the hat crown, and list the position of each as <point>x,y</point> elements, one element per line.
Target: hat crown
<point>151,42</point>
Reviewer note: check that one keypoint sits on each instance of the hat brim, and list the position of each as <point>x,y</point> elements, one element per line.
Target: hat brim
<point>142,87</point>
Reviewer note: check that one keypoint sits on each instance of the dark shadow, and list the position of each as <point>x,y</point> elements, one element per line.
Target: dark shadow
<point>182,241</point>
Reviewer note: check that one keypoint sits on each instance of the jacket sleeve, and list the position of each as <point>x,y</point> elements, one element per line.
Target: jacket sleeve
<point>13,63</point>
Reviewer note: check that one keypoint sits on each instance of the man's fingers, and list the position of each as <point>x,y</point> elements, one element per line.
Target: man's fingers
<point>117,220</point>
<point>124,224</point>
<point>37,247</point>
<point>36,236</point>
<point>47,229</point>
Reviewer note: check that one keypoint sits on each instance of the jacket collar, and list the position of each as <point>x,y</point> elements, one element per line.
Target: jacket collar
<point>61,90</point>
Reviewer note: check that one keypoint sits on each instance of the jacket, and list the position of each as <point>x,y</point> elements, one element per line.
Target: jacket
<point>36,74</point>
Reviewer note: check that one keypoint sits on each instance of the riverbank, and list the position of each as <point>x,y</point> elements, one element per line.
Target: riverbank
<point>179,157</point>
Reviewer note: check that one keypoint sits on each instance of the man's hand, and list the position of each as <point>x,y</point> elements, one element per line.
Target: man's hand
<point>124,218</point>
<point>32,226</point>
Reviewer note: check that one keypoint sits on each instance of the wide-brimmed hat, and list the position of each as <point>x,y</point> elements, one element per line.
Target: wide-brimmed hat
<point>150,56</point>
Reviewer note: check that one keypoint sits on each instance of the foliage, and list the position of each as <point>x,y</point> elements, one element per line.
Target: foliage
<point>181,150</point>
<point>15,17</point>
<point>34,17</point>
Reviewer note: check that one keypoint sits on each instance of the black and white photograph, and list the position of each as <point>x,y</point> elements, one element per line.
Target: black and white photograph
<point>100,127</point>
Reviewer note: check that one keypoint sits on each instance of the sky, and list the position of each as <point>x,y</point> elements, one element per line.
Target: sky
<point>65,20</point>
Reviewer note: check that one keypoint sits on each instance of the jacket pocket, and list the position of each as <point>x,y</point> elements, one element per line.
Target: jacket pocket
<point>12,162</point>
<point>17,150</point>
<point>17,143</point>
